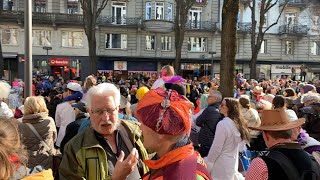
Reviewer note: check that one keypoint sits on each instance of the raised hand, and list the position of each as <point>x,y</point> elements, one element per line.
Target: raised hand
<point>124,167</point>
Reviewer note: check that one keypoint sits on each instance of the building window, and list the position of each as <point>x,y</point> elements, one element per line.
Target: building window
<point>8,5</point>
<point>159,10</point>
<point>265,22</point>
<point>195,17</point>
<point>116,41</point>
<point>315,50</point>
<point>263,48</point>
<point>9,37</point>
<point>40,6</point>
<point>150,42</point>
<point>148,10</point>
<point>72,39</point>
<point>196,44</point>
<point>118,12</point>
<point>170,7</point>
<point>166,43</point>
<point>41,38</point>
<point>290,19</point>
<point>289,47</point>
<point>73,6</point>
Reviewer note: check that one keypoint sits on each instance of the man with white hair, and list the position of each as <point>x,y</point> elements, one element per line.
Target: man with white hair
<point>110,148</point>
<point>311,112</point>
<point>208,121</point>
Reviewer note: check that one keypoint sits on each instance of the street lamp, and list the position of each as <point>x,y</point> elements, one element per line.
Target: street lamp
<point>47,48</point>
<point>212,53</point>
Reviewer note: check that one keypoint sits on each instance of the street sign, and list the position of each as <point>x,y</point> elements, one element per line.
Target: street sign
<point>59,61</point>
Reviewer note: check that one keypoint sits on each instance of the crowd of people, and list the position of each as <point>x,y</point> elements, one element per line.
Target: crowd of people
<point>169,128</point>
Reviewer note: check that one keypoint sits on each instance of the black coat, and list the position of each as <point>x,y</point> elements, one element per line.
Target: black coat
<point>208,121</point>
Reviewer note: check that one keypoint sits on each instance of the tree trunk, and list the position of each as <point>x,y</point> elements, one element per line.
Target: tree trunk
<point>91,36</point>
<point>253,66</point>
<point>1,62</point>
<point>228,49</point>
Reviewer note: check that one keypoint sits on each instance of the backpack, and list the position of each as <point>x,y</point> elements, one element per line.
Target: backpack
<point>290,169</point>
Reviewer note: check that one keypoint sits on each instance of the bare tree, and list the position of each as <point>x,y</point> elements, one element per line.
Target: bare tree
<point>228,47</point>
<point>1,62</point>
<point>91,12</point>
<point>182,10</point>
<point>258,37</point>
<point>1,56</point>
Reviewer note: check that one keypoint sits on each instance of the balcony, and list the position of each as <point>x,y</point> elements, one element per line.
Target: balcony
<point>119,21</point>
<point>244,27</point>
<point>295,30</point>
<point>201,26</point>
<point>70,19</point>
<point>158,26</point>
<point>201,3</point>
<point>294,3</point>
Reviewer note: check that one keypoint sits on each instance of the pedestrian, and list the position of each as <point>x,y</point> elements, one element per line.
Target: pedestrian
<point>65,112</point>
<point>175,157</point>
<point>5,111</point>
<point>232,134</point>
<point>36,129</point>
<point>13,156</point>
<point>208,121</point>
<point>111,148</point>
<point>285,159</point>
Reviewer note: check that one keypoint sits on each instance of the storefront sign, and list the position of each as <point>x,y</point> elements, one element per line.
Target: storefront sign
<point>284,68</point>
<point>120,65</point>
<point>59,61</point>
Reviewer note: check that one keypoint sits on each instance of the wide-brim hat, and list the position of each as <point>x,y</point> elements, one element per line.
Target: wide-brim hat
<point>277,120</point>
<point>257,90</point>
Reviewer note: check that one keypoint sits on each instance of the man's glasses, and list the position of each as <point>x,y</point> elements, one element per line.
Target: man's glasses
<point>100,112</point>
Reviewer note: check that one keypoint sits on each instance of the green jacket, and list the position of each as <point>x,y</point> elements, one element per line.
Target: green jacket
<point>85,158</point>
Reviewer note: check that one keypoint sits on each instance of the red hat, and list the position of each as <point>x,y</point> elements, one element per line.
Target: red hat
<point>166,112</point>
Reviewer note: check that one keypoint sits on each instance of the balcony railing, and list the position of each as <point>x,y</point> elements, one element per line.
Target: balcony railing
<point>112,20</point>
<point>58,18</point>
<point>244,27</point>
<point>201,2</point>
<point>293,29</point>
<point>201,25</point>
<point>298,3</point>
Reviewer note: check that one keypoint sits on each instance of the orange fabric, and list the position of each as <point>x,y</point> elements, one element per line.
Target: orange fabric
<point>171,157</point>
<point>181,106</point>
<point>148,177</point>
<point>202,174</point>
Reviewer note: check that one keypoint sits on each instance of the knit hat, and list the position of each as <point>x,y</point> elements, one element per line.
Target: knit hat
<point>308,87</point>
<point>165,112</point>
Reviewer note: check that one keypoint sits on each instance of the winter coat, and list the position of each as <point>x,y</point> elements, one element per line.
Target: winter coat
<point>46,128</point>
<point>208,121</point>
<point>223,157</point>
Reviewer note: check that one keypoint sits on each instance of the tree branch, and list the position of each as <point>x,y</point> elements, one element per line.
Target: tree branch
<point>277,18</point>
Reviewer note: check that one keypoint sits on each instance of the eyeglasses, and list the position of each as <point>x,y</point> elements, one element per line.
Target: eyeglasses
<point>100,112</point>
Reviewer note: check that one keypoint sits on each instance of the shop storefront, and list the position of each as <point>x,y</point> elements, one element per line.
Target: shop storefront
<point>284,71</point>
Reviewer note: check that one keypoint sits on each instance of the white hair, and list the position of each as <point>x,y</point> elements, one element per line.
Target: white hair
<point>103,89</point>
<point>216,94</point>
<point>4,89</point>
<point>310,96</point>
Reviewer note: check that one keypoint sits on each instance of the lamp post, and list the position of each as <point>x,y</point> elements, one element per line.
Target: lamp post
<point>212,54</point>
<point>47,48</point>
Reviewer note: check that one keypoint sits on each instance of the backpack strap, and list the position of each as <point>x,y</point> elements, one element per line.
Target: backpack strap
<point>285,163</point>
<point>35,132</point>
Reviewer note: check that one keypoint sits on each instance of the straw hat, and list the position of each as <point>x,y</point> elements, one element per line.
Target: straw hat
<point>277,120</point>
<point>257,90</point>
